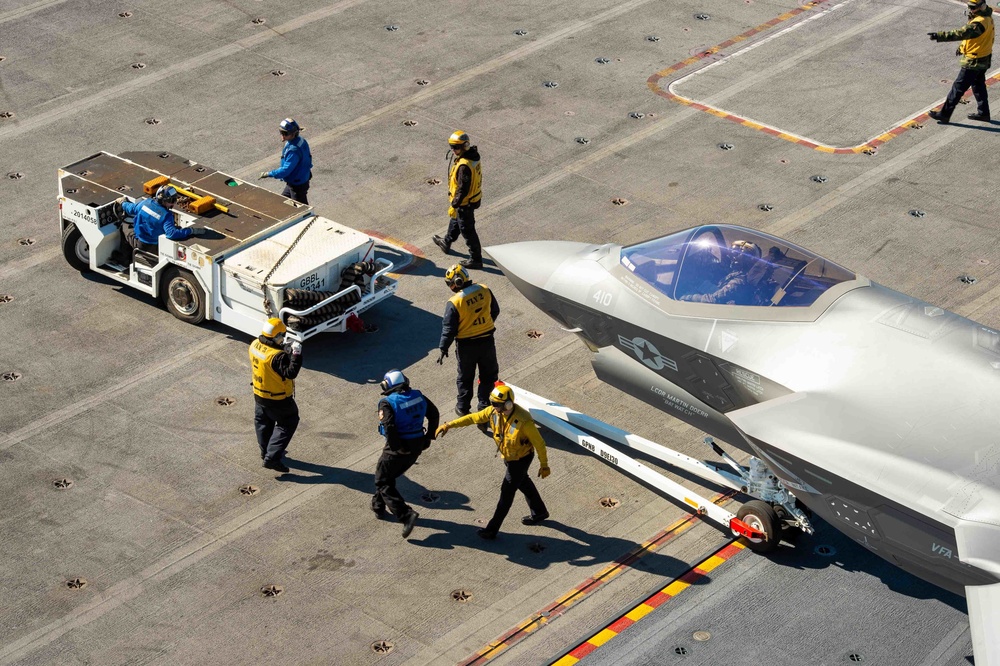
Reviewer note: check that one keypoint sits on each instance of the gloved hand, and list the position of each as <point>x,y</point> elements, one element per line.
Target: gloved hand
<point>543,472</point>
<point>296,347</point>
<point>933,35</point>
<point>264,174</point>
<point>120,200</point>
<point>444,353</point>
<point>198,231</point>
<point>442,429</point>
<point>452,213</point>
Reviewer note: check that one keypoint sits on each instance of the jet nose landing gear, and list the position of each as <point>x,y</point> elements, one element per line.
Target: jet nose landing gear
<point>764,523</point>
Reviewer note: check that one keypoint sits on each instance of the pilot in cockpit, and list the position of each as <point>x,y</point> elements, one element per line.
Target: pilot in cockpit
<point>735,287</point>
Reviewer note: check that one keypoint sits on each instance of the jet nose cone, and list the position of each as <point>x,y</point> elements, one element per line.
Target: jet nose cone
<point>533,263</point>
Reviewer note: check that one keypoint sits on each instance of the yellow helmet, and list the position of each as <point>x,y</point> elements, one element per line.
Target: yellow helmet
<point>502,395</point>
<point>457,277</point>
<point>273,327</point>
<point>458,138</point>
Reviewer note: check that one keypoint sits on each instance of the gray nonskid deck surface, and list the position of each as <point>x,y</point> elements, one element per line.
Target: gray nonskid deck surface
<point>799,607</point>
<point>119,397</point>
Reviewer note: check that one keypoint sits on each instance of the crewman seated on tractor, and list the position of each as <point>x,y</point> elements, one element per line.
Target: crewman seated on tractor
<point>152,217</point>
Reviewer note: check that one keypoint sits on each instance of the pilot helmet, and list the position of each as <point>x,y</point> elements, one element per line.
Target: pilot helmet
<point>744,253</point>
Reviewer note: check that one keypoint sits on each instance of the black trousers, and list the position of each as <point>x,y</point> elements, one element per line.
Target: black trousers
<point>275,422</point>
<point>478,353</point>
<point>390,467</point>
<point>967,78</point>
<point>297,192</point>
<point>465,224</point>
<point>515,479</point>
<point>128,235</point>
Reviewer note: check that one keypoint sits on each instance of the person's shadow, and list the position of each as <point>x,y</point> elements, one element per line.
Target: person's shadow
<point>540,549</point>
<point>364,482</point>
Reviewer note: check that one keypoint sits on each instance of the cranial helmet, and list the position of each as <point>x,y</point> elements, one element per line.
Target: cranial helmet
<point>288,126</point>
<point>457,277</point>
<point>458,138</point>
<point>273,327</point>
<point>394,380</point>
<point>502,397</point>
<point>166,194</point>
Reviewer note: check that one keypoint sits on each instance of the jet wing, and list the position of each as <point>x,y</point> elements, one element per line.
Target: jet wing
<point>832,437</point>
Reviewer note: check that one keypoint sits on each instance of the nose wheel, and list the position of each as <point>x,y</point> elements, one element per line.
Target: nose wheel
<point>762,517</point>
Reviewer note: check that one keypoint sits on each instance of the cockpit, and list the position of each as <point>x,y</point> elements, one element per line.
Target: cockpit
<point>733,266</point>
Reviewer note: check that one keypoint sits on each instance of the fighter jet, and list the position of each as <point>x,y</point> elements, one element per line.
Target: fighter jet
<point>878,410</point>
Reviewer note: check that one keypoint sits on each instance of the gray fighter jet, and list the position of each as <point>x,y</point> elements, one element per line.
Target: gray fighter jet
<point>881,411</point>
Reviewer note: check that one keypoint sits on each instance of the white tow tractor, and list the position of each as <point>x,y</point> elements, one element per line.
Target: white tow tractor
<point>264,255</point>
<point>758,523</point>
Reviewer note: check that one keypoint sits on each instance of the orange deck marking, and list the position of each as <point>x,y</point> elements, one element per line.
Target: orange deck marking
<point>416,254</point>
<point>689,578</point>
<point>656,81</point>
<point>580,592</point>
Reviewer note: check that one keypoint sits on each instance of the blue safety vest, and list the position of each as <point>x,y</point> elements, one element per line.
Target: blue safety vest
<point>410,407</point>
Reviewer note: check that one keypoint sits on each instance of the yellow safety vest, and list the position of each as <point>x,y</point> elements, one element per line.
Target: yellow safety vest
<point>981,46</point>
<point>473,304</point>
<point>266,382</point>
<point>476,187</point>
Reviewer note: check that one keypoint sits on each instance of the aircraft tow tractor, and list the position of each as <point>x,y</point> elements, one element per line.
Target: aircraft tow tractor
<point>264,255</point>
<point>758,523</point>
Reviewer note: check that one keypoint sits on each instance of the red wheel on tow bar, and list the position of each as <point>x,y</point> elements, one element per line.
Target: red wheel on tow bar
<point>762,518</point>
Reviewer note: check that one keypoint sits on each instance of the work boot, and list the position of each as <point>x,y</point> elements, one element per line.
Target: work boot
<point>534,520</point>
<point>442,243</point>
<point>409,522</point>
<point>276,465</point>
<point>985,117</point>
<point>936,115</point>
<point>471,263</point>
<point>484,533</point>
<point>462,411</point>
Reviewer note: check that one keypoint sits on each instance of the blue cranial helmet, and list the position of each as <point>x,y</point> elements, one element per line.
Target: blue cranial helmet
<point>288,126</point>
<point>394,380</point>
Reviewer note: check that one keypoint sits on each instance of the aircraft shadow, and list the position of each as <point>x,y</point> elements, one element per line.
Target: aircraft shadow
<point>801,551</point>
<point>307,473</point>
<point>540,549</point>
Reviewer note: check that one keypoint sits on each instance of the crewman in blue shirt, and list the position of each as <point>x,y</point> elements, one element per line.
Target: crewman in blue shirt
<point>401,414</point>
<point>152,217</point>
<point>296,163</point>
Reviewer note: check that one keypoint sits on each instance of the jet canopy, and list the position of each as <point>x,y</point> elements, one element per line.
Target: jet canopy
<point>734,266</point>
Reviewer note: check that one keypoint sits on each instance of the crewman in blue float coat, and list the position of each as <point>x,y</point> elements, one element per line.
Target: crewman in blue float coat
<point>401,414</point>
<point>296,162</point>
<point>152,217</point>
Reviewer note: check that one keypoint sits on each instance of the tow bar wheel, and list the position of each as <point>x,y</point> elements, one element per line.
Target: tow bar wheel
<point>183,296</point>
<point>762,517</point>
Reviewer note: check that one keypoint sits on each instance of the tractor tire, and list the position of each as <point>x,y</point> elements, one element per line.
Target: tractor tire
<point>182,295</point>
<point>75,248</point>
